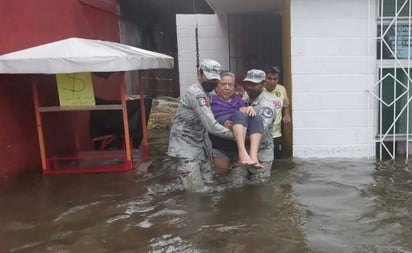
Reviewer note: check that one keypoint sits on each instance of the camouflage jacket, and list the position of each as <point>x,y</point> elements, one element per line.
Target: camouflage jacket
<point>266,110</point>
<point>193,119</point>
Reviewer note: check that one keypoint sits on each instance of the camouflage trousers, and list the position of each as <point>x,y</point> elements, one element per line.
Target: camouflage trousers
<point>241,175</point>
<point>194,174</point>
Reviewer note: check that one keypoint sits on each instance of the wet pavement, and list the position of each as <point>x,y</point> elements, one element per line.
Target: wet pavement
<point>308,206</point>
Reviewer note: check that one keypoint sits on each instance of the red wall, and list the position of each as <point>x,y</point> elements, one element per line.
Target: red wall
<point>27,23</point>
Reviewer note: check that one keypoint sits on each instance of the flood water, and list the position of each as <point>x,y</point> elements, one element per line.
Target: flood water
<point>308,206</point>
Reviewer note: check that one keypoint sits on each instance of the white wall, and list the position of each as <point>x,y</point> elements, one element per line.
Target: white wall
<point>333,63</point>
<point>213,44</point>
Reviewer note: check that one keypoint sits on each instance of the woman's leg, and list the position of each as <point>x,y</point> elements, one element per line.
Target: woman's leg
<point>221,165</point>
<point>254,146</point>
<point>222,161</point>
<point>255,130</point>
<point>239,129</point>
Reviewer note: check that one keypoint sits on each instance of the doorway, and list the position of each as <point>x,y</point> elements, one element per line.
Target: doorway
<point>255,41</point>
<point>262,41</point>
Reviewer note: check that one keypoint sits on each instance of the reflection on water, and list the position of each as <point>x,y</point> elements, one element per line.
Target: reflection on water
<point>309,206</point>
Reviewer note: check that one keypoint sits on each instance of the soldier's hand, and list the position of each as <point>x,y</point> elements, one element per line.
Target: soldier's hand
<point>228,124</point>
<point>250,111</point>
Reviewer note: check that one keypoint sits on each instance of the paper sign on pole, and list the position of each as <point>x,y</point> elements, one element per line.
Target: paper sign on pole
<point>75,89</point>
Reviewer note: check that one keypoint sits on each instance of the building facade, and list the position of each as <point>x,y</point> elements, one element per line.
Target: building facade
<point>350,96</point>
<point>346,64</point>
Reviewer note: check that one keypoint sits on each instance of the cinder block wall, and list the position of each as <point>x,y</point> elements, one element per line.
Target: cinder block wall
<point>333,47</point>
<point>213,43</point>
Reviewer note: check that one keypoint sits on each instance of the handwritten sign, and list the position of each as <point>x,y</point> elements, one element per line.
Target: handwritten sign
<point>75,89</point>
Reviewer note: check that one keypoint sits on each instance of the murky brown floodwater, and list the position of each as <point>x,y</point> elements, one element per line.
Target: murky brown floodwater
<point>309,206</point>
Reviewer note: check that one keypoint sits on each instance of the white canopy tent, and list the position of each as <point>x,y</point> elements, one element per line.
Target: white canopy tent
<point>82,55</point>
<point>75,55</point>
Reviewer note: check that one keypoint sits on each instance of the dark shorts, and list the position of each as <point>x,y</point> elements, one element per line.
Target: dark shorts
<point>218,153</point>
<point>253,124</point>
<point>223,144</point>
<point>277,147</point>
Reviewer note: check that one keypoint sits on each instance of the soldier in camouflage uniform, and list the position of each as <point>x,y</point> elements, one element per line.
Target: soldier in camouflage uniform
<point>264,108</point>
<point>188,141</point>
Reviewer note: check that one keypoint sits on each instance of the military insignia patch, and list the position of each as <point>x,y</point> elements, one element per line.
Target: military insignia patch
<point>267,112</point>
<point>202,100</point>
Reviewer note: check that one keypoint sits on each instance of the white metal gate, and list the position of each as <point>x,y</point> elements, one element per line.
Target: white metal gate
<point>393,86</point>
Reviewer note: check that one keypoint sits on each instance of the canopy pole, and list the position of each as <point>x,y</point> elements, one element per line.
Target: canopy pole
<point>145,147</point>
<point>126,126</point>
<point>39,125</point>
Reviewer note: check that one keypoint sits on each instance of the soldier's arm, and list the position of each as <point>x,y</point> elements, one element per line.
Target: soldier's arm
<point>200,104</point>
<point>268,114</point>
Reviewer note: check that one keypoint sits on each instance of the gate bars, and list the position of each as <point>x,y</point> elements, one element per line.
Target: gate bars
<point>394,77</point>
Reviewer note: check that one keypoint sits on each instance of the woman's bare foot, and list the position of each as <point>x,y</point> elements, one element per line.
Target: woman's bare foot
<point>249,162</point>
<point>257,165</point>
<point>246,160</point>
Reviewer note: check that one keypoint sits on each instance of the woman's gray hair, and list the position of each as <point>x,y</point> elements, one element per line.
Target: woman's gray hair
<point>227,73</point>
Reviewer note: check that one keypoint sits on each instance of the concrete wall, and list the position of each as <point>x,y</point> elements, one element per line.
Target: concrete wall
<point>213,43</point>
<point>333,50</point>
